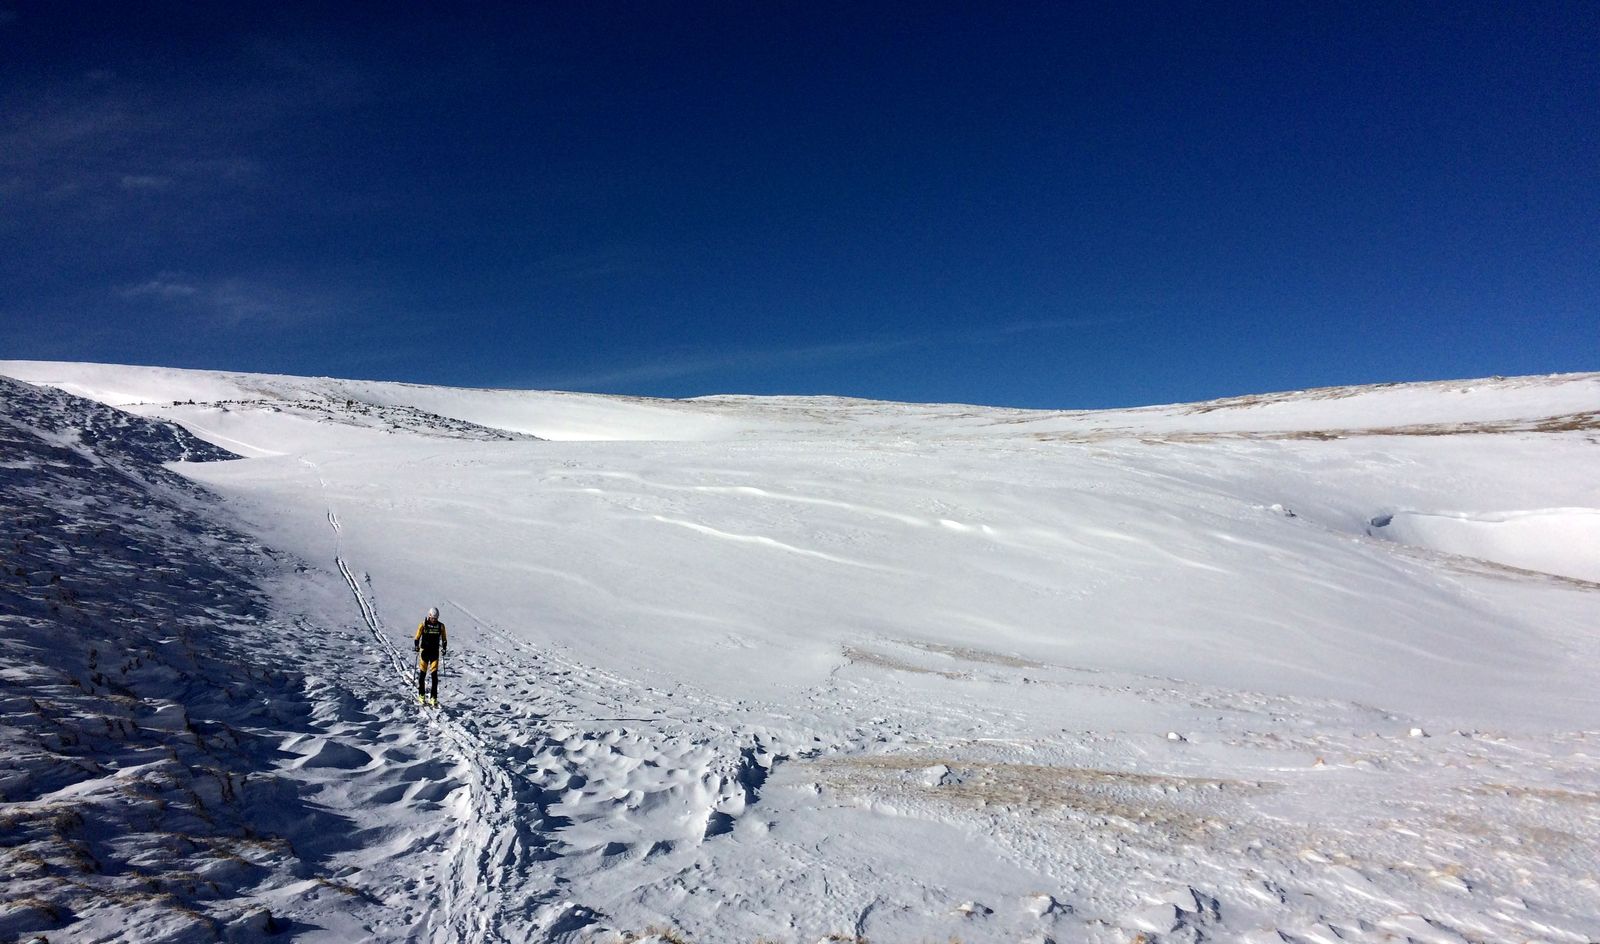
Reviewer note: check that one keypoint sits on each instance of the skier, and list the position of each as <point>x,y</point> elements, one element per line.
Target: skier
<point>430,642</point>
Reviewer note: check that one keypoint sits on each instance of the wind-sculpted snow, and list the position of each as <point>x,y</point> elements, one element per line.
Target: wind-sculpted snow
<point>801,669</point>
<point>105,432</point>
<point>359,414</point>
<point>141,693</point>
<point>1561,541</point>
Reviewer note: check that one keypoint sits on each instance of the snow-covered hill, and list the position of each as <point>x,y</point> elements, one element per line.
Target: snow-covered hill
<point>146,693</point>
<point>1315,664</point>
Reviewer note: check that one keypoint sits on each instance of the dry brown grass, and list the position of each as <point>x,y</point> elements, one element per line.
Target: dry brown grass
<point>1563,423</point>
<point>35,903</point>
<point>869,657</point>
<point>977,655</point>
<point>1477,566</point>
<point>1121,799</point>
<point>659,932</point>
<point>343,888</point>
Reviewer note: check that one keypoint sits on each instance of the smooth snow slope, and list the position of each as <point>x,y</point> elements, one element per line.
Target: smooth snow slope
<point>800,666</point>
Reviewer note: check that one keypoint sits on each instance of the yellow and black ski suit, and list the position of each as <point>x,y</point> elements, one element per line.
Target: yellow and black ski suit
<point>430,642</point>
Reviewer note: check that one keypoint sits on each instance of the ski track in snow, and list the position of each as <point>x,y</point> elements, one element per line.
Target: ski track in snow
<point>482,847</point>
<point>529,793</point>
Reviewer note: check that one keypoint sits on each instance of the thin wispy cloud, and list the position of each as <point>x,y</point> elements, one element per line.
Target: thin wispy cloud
<point>230,302</point>
<point>60,130</point>
<point>72,137</point>
<point>164,286</point>
<point>70,146</point>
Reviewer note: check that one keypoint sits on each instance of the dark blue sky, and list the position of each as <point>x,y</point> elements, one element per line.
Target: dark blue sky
<point>1025,204</point>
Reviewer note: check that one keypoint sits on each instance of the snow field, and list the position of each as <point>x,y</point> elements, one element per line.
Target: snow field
<point>912,673</point>
<point>648,557</point>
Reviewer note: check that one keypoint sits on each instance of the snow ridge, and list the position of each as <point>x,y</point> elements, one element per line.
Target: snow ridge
<point>100,430</point>
<point>143,695</point>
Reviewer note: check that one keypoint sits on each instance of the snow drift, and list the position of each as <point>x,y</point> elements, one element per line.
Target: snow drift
<point>1563,541</point>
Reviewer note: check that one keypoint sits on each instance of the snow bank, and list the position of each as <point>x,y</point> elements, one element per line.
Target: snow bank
<point>1562,541</point>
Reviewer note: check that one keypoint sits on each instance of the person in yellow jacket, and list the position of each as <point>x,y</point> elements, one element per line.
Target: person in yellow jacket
<point>430,642</point>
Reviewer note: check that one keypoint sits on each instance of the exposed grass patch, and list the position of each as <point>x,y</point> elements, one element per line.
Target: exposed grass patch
<point>1122,800</point>
<point>1563,423</point>
<point>882,660</point>
<point>655,932</point>
<point>977,655</point>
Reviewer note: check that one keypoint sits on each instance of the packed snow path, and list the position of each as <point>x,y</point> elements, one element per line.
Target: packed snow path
<point>546,777</point>
<point>914,673</point>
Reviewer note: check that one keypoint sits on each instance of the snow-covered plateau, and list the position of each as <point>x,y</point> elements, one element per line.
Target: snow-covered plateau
<point>1319,666</point>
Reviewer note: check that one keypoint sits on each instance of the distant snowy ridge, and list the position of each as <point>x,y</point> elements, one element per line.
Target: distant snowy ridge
<point>1490,405</point>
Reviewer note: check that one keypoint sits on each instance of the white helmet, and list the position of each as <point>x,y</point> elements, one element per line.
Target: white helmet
<point>433,613</point>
